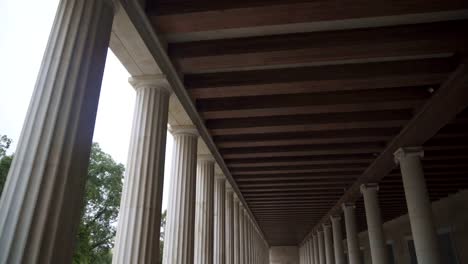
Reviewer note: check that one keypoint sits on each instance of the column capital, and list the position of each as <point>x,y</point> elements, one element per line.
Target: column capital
<point>229,187</point>
<point>369,187</point>
<point>150,81</point>
<point>184,130</point>
<point>206,158</point>
<point>408,152</point>
<point>335,218</point>
<point>345,206</point>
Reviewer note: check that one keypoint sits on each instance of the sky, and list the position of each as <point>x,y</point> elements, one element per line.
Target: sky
<point>24,29</point>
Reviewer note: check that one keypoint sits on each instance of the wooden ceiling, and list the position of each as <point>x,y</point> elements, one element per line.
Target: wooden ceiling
<point>304,97</point>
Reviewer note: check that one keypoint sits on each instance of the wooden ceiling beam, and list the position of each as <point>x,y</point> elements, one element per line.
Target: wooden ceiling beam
<point>207,17</point>
<point>333,47</point>
<point>290,189</point>
<point>297,183</point>
<point>339,75</point>
<point>281,139</point>
<point>325,121</point>
<point>315,149</point>
<point>306,123</point>
<point>329,99</point>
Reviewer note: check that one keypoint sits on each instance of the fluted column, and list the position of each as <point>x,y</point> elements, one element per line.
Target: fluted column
<point>377,243</point>
<point>328,242</point>
<point>229,225</point>
<point>241,234</point>
<point>321,247</point>
<point>179,240</point>
<point>337,240</point>
<point>140,206</point>
<point>220,220</point>
<point>204,212</point>
<point>305,252</point>
<point>351,233</point>
<point>43,195</point>
<point>237,230</point>
<point>419,205</point>
<point>250,242</point>
<point>303,255</point>
<point>316,248</point>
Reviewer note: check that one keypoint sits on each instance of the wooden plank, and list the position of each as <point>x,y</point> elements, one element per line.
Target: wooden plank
<point>334,47</point>
<point>330,99</point>
<point>304,12</point>
<point>323,73</point>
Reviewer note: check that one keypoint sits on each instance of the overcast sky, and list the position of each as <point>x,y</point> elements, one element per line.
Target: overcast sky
<point>24,29</point>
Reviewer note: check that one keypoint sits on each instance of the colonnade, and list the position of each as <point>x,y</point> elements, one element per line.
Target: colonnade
<point>206,222</point>
<point>317,248</point>
<point>42,199</point>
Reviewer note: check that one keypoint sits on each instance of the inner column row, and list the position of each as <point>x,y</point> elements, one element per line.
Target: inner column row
<point>419,211</point>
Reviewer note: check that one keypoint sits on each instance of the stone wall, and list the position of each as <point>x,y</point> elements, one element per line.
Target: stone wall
<point>450,214</point>
<point>284,255</point>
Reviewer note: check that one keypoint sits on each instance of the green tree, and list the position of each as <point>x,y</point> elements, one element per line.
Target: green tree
<point>5,160</point>
<point>98,225</point>
<point>161,235</point>
<point>103,190</point>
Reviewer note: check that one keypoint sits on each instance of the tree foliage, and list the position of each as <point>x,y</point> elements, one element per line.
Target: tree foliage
<point>99,219</point>
<point>98,225</point>
<point>5,160</point>
<point>161,235</point>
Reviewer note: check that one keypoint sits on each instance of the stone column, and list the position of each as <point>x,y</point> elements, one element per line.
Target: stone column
<point>43,195</point>
<point>302,254</point>
<point>337,240</point>
<point>310,247</point>
<point>179,240</point>
<point>229,225</point>
<point>220,220</point>
<point>321,247</point>
<point>250,242</point>
<point>204,210</point>
<point>306,252</point>
<point>328,242</point>
<point>246,237</point>
<point>377,243</point>
<point>316,248</point>
<point>140,206</point>
<point>419,205</point>
<point>237,229</point>
<point>241,234</point>
<point>351,233</point>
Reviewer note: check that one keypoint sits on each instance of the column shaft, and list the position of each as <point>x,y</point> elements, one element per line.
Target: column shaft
<point>328,242</point>
<point>220,220</point>
<point>338,240</point>
<point>43,195</point>
<point>419,205</point>
<point>241,234</point>
<point>316,249</point>
<point>237,231</point>
<point>229,226</point>
<point>377,243</point>
<point>321,247</point>
<point>351,234</point>
<point>179,240</point>
<point>140,207</point>
<point>204,210</point>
